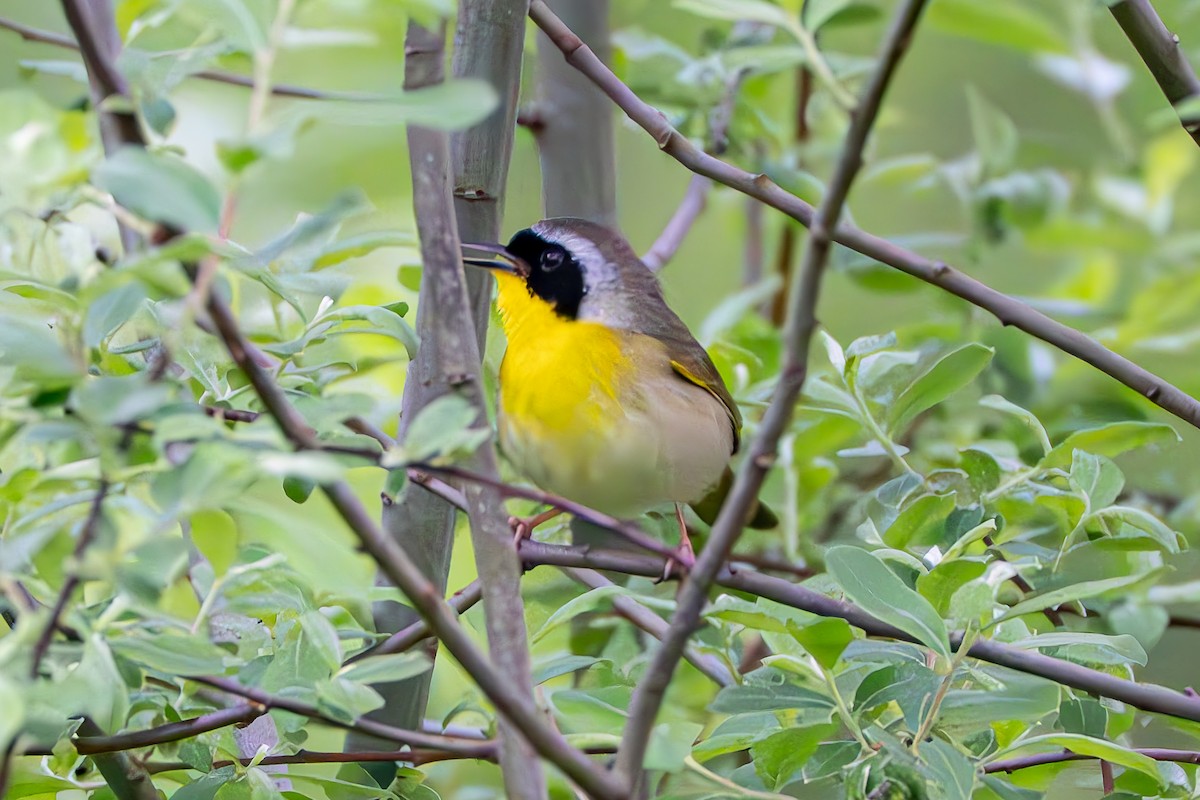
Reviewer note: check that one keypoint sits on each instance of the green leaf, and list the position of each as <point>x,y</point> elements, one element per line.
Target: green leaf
<point>160,188</point>
<point>206,786</point>
<point>995,134</point>
<point>442,430</point>
<point>588,601</point>
<point>12,711</point>
<point>1083,745</point>
<point>563,665</point>
<point>1109,440</point>
<point>825,640</point>
<point>830,758</point>
<point>953,774</point>
<point>1097,477</point>
<point>110,311</point>
<point>818,13</point>
<point>297,489</point>
<point>737,10</point>
<point>361,245</point>
<point>1087,648</point>
<point>584,712</point>
<point>1070,594</point>
<point>922,521</point>
<point>1083,715</point>
<point>780,757</point>
<point>940,583</point>
<point>910,686</point>
<point>943,378</point>
<point>750,697</point>
<point>670,744</point>
<point>174,654</point>
<point>1004,24</point>
<point>382,320</point>
<point>998,403</point>
<point>386,668</point>
<point>1125,523</point>
<point>879,592</point>
<point>453,105</point>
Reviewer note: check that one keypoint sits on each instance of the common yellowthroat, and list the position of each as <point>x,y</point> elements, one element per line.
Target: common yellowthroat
<point>606,398</point>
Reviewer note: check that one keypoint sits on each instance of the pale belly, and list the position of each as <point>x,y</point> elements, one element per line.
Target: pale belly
<point>656,440</point>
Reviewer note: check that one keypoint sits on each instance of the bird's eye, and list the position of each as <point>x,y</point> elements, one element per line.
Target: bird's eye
<point>551,260</point>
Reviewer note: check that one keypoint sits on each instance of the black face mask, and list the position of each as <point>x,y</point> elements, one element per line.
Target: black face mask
<point>554,274</point>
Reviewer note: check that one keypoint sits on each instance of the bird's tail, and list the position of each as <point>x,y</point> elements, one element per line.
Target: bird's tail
<point>763,518</point>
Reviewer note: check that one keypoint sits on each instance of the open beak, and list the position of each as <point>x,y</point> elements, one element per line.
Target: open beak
<point>497,258</point>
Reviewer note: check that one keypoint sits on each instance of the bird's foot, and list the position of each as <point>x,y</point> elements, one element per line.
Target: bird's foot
<point>683,556</point>
<point>523,527</point>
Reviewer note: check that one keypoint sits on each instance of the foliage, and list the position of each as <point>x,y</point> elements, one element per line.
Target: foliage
<point>946,475</point>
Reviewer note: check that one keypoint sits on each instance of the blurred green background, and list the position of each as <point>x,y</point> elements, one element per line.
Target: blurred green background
<point>1090,253</point>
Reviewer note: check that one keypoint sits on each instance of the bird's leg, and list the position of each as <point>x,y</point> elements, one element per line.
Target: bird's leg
<point>522,527</point>
<point>685,555</point>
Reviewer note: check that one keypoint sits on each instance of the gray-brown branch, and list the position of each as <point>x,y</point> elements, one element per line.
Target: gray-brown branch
<point>1164,57</point>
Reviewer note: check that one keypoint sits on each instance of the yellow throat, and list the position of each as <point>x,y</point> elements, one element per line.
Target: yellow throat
<point>558,375</point>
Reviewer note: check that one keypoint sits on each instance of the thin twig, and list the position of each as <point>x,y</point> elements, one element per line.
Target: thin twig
<point>86,535</point>
<point>1163,55</point>
<point>484,751</point>
<point>462,601</point>
<point>801,324</point>
<point>1040,759</point>
<point>378,730</point>
<point>624,529</point>
<point>1008,310</point>
<point>170,732</point>
<point>40,36</point>
<point>653,624</point>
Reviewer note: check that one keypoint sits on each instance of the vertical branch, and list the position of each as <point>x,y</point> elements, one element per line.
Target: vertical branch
<point>574,122</point>
<point>452,364</point>
<point>488,45</point>
<point>801,324</point>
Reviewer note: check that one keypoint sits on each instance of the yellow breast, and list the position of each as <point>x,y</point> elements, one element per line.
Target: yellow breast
<point>559,377</point>
<point>599,415</point>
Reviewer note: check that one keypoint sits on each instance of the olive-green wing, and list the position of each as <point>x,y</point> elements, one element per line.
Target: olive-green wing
<point>700,371</point>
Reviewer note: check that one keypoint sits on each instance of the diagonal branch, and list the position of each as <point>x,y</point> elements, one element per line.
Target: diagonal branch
<point>629,608</point>
<point>170,732</point>
<point>1160,50</point>
<point>86,535</point>
<point>266,700</point>
<point>1008,310</point>
<point>801,324</point>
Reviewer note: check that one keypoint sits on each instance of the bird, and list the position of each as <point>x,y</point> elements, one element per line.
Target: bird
<point>605,396</point>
